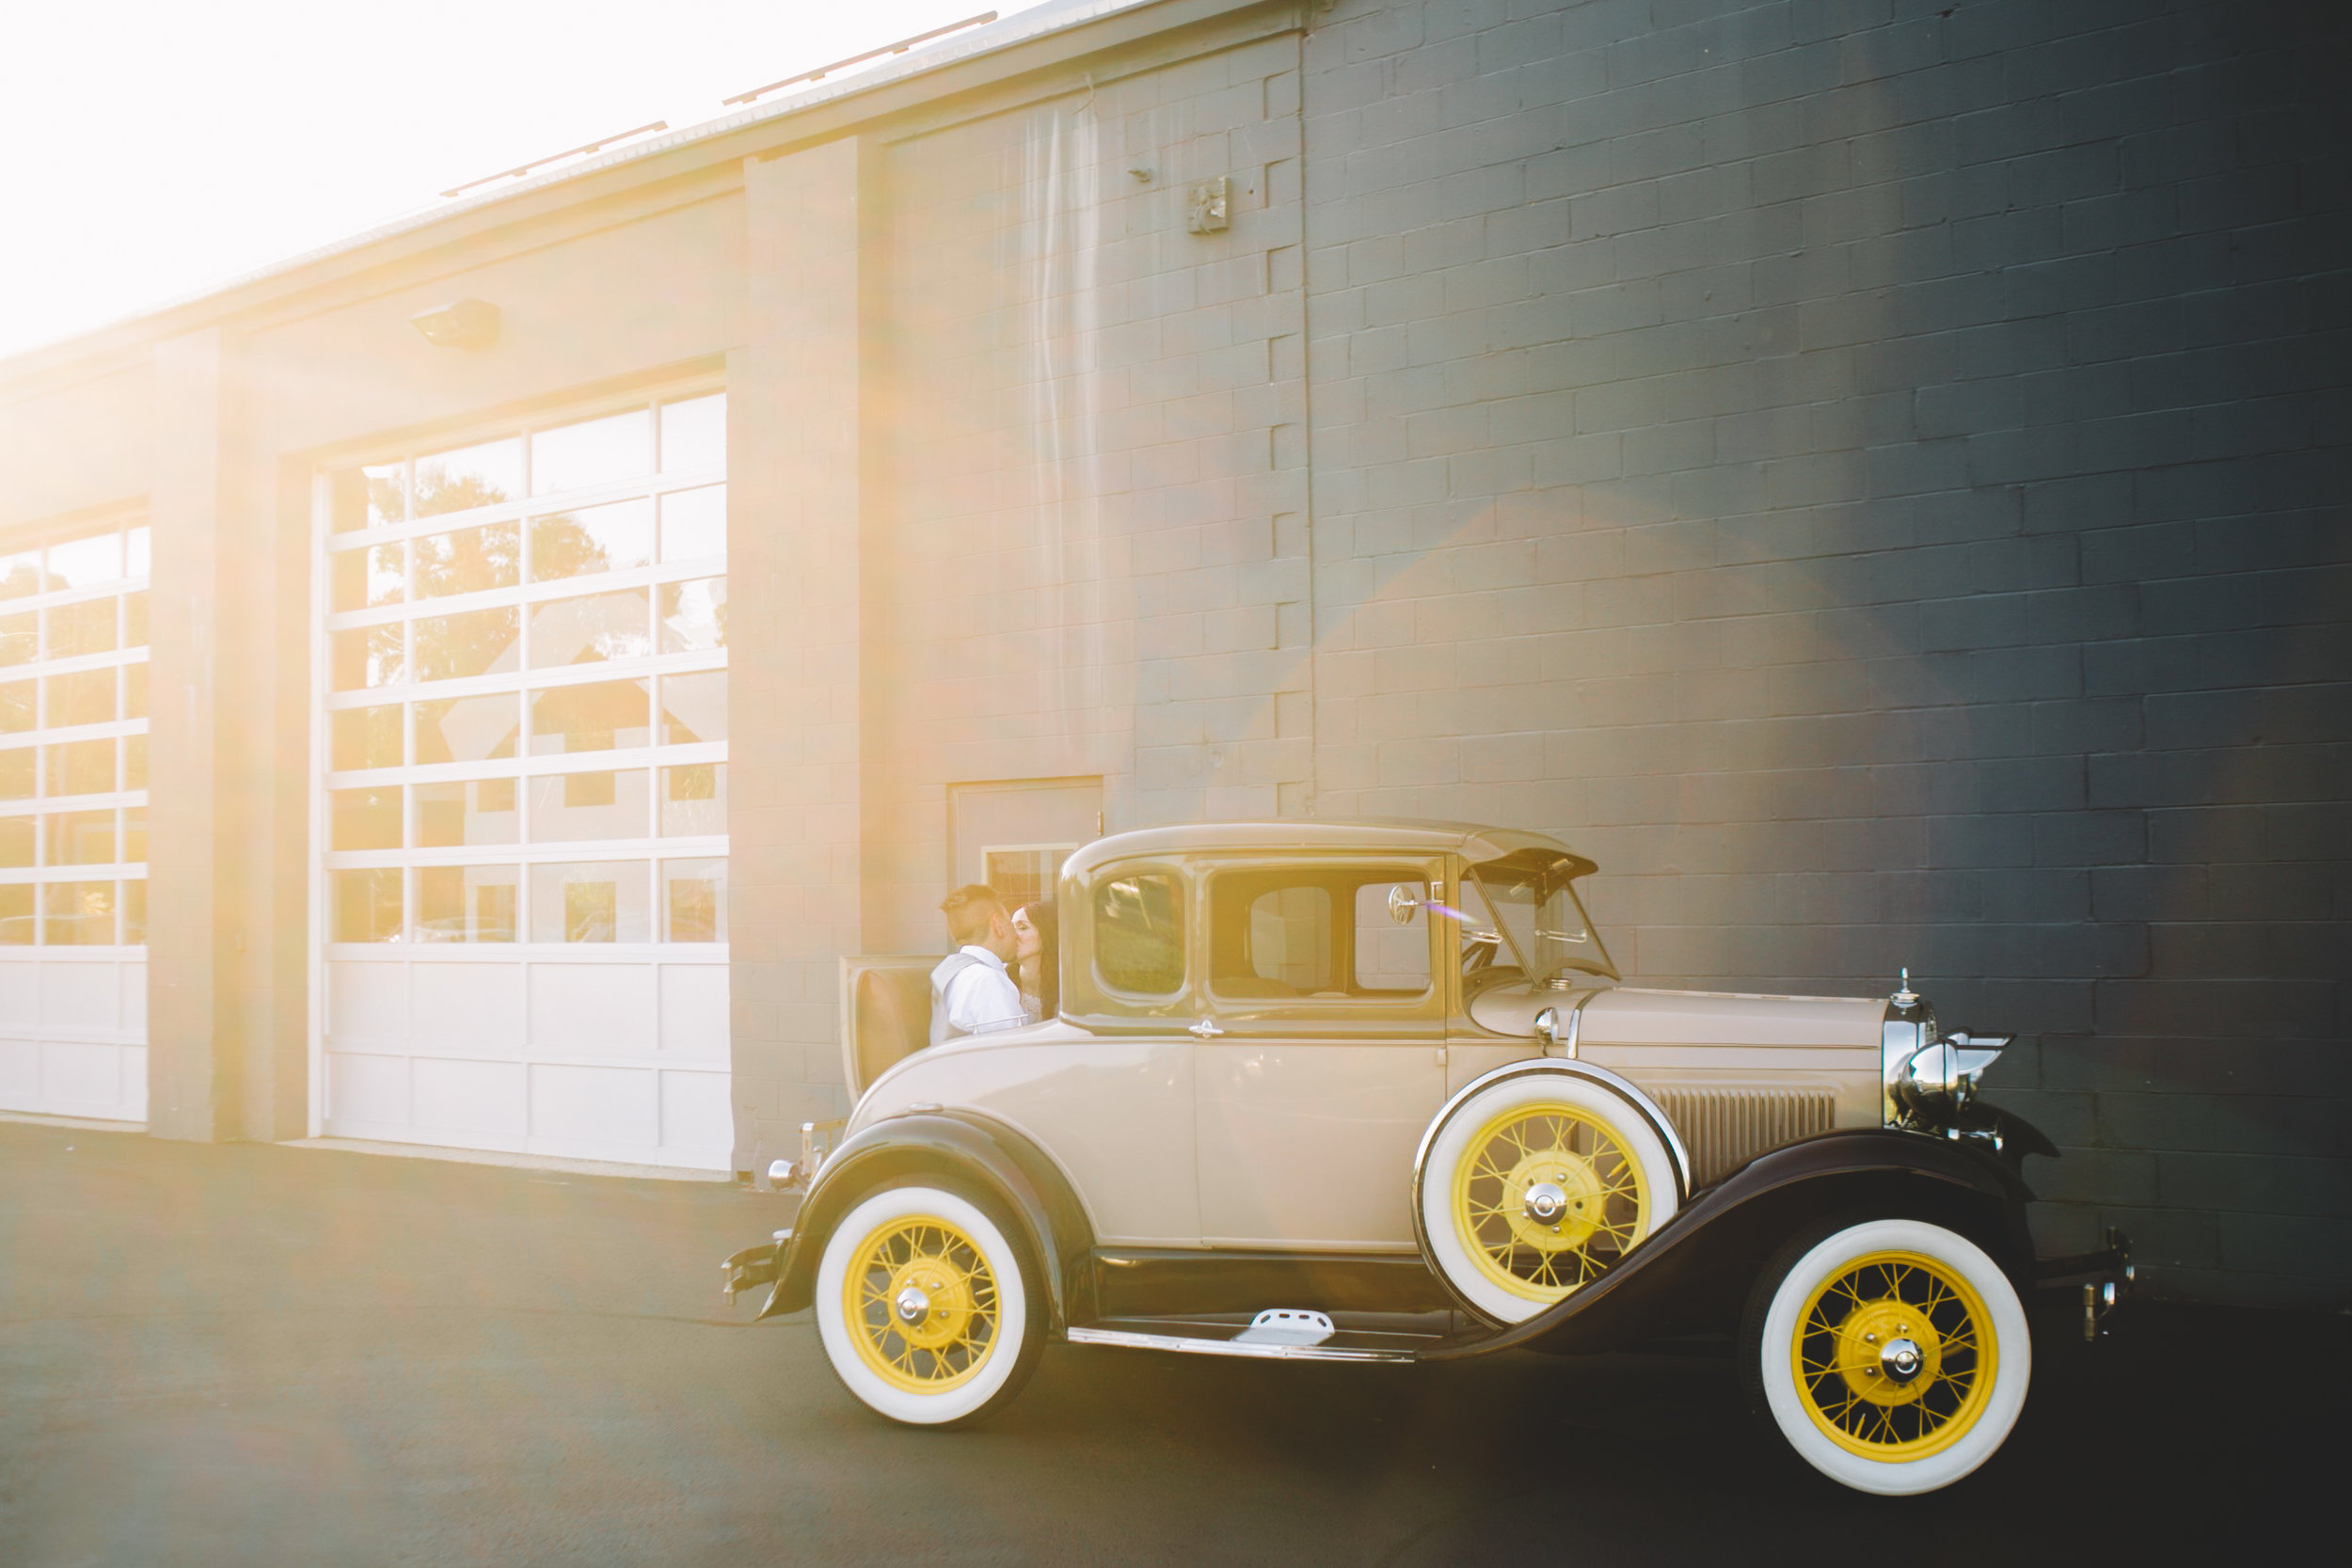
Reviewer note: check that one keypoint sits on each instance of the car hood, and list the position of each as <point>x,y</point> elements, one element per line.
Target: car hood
<point>1635,1016</point>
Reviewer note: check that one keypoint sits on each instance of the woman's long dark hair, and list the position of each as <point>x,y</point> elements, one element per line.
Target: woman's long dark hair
<point>1046,982</point>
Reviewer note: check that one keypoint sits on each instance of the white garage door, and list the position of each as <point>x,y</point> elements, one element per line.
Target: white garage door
<point>74,825</point>
<point>521,899</point>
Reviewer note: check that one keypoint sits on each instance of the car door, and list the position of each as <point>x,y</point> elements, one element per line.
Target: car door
<point>1107,1092</point>
<point>1322,1055</point>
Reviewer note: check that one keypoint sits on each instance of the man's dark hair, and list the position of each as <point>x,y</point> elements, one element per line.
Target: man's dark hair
<point>968,909</point>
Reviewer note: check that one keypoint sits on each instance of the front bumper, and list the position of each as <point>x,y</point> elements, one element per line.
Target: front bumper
<point>755,1266</point>
<point>2101,1276</point>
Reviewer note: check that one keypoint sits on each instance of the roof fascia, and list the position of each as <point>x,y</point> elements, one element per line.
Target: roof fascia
<point>486,227</point>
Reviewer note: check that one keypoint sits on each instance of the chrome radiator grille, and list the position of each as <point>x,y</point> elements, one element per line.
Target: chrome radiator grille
<point>1725,1128</point>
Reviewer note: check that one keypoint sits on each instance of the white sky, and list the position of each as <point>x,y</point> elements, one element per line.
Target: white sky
<point>158,147</point>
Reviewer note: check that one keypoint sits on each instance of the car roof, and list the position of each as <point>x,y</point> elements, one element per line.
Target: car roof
<point>1473,841</point>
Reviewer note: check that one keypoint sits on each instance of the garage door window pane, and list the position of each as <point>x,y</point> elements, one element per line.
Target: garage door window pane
<point>596,716</point>
<point>82,839</point>
<point>470,560</point>
<point>476,642</point>
<point>615,538</point>
<point>20,638</point>
<point>16,914</point>
<point>466,903</point>
<point>478,811</point>
<point>367,656</point>
<point>591,901</point>
<point>87,627</point>
<point>19,575</point>
<point>368,497</point>
<point>86,563</point>
<point>694,900</point>
<point>468,476</point>
<point>694,434</point>
<point>693,615</point>
<point>18,712</point>
<point>595,452</point>
<point>135,762</point>
<point>16,841</point>
<point>81,767</point>
<point>364,818</point>
<point>694,800</point>
<point>366,905</point>
<point>365,737</point>
<point>135,912</point>
<point>694,523</point>
<point>469,729</point>
<point>134,834</point>
<point>85,697</point>
<point>78,914</point>
<point>363,580</point>
<point>576,807</point>
<point>592,628</point>
<point>694,707</point>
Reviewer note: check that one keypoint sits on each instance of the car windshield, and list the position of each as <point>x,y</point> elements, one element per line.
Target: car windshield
<point>1532,896</point>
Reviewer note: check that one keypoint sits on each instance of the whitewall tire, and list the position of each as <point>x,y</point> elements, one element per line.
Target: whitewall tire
<point>1534,1186</point>
<point>928,1311</point>
<point>1892,1354</point>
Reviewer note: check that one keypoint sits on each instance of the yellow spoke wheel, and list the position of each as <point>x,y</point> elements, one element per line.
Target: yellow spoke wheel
<point>1545,1200</point>
<point>921,1305</point>
<point>1894,1356</point>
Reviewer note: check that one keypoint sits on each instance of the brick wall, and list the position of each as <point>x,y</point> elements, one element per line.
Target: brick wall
<point>1875,475</point>
<point>1092,558</point>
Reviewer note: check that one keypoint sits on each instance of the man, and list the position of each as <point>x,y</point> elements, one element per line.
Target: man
<point>971,992</point>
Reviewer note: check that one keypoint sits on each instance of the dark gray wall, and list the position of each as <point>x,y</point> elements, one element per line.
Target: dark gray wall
<point>1875,474</point>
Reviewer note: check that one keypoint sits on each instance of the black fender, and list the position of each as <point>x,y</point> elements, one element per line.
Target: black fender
<point>1692,1275</point>
<point>998,1162</point>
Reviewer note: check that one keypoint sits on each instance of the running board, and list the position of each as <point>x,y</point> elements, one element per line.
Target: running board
<point>1277,1334</point>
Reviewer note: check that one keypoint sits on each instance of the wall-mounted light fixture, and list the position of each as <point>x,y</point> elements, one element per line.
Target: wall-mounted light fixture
<point>1208,210</point>
<point>465,323</point>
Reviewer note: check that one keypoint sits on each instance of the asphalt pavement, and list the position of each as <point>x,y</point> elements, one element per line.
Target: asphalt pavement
<point>252,1354</point>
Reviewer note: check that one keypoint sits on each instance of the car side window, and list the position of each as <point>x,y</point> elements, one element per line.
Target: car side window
<point>1140,933</point>
<point>1288,951</point>
<point>1390,955</point>
<point>1334,933</point>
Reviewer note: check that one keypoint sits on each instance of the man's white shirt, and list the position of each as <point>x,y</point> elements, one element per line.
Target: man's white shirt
<point>981,996</point>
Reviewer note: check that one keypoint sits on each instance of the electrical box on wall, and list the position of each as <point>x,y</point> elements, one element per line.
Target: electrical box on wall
<point>1210,208</point>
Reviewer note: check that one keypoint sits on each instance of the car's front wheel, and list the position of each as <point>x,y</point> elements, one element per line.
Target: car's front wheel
<point>1534,1187</point>
<point>928,1311</point>
<point>1891,1354</point>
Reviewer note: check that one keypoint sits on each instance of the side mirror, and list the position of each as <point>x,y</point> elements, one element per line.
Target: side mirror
<point>1403,903</point>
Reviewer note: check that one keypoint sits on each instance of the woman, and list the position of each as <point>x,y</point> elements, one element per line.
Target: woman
<point>1037,957</point>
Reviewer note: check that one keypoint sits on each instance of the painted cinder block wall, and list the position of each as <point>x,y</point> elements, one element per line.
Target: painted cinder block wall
<point>1875,475</point>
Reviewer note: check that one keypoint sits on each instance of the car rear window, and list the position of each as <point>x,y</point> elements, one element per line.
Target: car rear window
<point>1140,933</point>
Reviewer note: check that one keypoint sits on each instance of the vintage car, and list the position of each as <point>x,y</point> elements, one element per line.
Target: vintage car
<point>1374,1091</point>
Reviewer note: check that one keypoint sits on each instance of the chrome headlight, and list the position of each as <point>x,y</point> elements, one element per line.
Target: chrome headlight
<point>1929,1076</point>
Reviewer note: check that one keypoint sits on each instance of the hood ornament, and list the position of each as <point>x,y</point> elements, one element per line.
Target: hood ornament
<point>1904,996</point>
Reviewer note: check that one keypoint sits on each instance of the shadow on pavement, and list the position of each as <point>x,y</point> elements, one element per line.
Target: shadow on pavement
<point>246,1353</point>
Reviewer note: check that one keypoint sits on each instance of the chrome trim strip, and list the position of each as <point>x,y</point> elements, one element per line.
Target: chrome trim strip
<point>1129,1340</point>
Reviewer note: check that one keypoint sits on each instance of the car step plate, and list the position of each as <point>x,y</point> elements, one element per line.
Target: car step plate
<point>1278,1333</point>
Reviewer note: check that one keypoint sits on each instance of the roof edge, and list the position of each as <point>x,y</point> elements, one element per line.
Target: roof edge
<point>1001,37</point>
